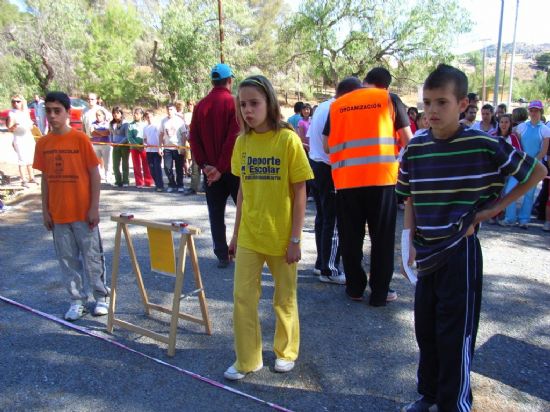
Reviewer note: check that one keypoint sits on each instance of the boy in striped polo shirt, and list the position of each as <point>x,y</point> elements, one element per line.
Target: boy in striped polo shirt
<point>453,177</point>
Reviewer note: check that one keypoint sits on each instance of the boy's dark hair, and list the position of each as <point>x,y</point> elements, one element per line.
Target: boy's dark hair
<point>519,115</point>
<point>488,107</point>
<point>412,109</point>
<point>59,97</point>
<point>171,105</point>
<point>379,76</point>
<point>444,75</point>
<point>503,106</point>
<point>472,106</point>
<point>472,96</point>
<point>221,82</point>
<point>347,85</point>
<point>298,107</point>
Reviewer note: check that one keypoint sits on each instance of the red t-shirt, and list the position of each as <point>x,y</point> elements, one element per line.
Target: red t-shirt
<point>65,160</point>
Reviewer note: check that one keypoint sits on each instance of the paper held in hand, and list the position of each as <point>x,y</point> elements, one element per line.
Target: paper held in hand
<point>405,249</point>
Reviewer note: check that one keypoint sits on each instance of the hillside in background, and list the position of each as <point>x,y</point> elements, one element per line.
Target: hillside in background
<point>528,51</point>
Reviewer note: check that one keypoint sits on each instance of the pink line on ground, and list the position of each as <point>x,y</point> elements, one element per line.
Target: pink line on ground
<point>95,334</point>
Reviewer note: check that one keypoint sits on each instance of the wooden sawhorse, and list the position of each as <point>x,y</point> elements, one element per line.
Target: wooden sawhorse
<point>186,243</point>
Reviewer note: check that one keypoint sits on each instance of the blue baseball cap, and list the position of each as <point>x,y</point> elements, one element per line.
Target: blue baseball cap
<point>221,71</point>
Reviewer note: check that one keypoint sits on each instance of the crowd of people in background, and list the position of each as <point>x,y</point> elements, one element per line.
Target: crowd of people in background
<point>165,147</point>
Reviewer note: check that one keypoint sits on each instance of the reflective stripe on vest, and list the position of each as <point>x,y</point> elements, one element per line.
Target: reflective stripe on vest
<point>357,161</point>
<point>372,141</point>
<point>362,146</point>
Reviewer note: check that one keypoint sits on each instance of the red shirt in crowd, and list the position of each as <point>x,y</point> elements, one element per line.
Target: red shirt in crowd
<point>214,129</point>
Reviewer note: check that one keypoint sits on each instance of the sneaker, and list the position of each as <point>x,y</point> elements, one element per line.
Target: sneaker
<point>392,295</point>
<point>283,365</point>
<point>337,279</point>
<point>159,189</point>
<point>420,406</point>
<point>354,298</point>
<point>75,312</point>
<point>101,307</point>
<point>189,192</point>
<point>169,189</point>
<point>524,226</point>
<point>317,272</point>
<point>504,223</point>
<point>125,185</point>
<point>546,227</point>
<point>223,263</point>
<point>181,190</point>
<point>233,374</point>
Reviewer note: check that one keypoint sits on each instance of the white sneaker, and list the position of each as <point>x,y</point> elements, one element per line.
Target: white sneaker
<point>391,296</point>
<point>338,279</point>
<point>283,365</point>
<point>233,374</point>
<point>75,312</point>
<point>546,226</point>
<point>101,308</point>
<point>181,190</point>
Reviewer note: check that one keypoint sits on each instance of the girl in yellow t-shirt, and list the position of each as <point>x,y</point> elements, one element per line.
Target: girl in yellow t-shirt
<point>273,168</point>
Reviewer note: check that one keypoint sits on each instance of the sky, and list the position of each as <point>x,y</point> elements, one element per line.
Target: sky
<point>533,23</point>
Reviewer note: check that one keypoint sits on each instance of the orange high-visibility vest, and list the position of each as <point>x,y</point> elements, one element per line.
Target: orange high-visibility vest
<point>363,150</point>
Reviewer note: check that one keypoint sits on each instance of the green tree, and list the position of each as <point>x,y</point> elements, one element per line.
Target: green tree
<point>347,37</point>
<point>52,47</point>
<point>17,78</point>
<point>189,46</point>
<point>543,61</point>
<point>108,65</point>
<point>8,13</point>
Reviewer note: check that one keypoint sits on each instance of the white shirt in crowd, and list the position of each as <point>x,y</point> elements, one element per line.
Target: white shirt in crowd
<point>169,128</point>
<point>151,138</point>
<point>315,132</point>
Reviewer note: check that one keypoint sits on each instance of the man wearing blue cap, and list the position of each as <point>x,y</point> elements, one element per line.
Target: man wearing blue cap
<point>214,129</point>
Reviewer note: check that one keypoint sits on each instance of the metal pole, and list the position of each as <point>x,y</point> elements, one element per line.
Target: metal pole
<point>499,47</point>
<point>484,87</point>
<point>504,76</point>
<point>512,60</point>
<point>220,20</point>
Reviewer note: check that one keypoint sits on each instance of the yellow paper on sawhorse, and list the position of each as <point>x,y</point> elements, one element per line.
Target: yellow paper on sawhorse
<point>161,250</point>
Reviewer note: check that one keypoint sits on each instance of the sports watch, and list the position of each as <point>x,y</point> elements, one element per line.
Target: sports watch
<point>295,240</point>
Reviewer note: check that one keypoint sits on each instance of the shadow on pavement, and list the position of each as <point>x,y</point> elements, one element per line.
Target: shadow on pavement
<point>515,363</point>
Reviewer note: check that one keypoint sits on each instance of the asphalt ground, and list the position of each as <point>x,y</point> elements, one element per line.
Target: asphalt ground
<point>352,356</point>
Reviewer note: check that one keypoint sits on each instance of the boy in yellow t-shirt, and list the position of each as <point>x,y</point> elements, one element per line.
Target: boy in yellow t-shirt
<point>70,206</point>
<point>273,168</point>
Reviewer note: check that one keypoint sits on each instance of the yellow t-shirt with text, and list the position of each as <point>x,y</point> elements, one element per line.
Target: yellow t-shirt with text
<point>268,164</point>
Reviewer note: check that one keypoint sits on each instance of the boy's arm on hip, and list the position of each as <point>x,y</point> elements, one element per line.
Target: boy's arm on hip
<point>538,173</point>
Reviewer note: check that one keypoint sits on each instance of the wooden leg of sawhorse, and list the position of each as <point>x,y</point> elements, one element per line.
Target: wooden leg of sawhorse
<point>114,278</point>
<point>198,282</point>
<point>177,294</point>
<point>137,270</point>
